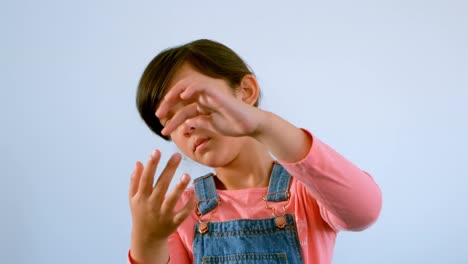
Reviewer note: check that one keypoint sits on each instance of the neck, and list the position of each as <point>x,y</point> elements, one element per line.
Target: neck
<point>251,168</point>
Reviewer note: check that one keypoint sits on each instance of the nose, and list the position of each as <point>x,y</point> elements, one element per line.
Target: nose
<point>187,129</point>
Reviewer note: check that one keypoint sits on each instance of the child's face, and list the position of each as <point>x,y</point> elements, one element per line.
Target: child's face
<point>215,150</point>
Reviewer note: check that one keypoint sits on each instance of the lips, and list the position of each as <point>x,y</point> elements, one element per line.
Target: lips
<point>198,142</point>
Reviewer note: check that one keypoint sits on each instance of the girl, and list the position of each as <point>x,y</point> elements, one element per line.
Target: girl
<point>255,208</point>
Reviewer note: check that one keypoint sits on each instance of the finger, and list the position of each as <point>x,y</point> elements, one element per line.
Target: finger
<point>179,118</point>
<point>147,178</point>
<point>201,109</point>
<point>208,99</point>
<point>188,208</point>
<point>171,98</point>
<point>161,186</point>
<point>193,91</point>
<point>135,179</point>
<point>171,200</point>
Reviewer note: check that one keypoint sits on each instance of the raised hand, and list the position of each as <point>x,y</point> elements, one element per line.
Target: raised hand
<point>153,213</point>
<point>209,103</point>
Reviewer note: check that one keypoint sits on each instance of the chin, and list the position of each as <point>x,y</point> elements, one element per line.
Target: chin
<point>213,160</point>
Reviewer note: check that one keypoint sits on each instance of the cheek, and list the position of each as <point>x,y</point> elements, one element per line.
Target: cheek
<point>181,142</point>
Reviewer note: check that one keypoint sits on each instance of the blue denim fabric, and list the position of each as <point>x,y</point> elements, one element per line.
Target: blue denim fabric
<point>205,189</point>
<point>278,188</point>
<point>246,241</point>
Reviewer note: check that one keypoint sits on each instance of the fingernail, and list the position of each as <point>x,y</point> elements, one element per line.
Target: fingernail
<point>184,178</point>
<point>153,154</point>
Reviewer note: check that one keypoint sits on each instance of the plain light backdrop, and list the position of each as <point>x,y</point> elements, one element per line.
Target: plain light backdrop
<point>383,82</point>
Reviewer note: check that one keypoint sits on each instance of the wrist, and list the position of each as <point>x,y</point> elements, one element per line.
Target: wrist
<point>154,251</point>
<point>285,141</point>
<point>263,127</point>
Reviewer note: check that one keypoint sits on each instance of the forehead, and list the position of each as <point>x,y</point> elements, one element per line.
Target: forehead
<point>186,70</point>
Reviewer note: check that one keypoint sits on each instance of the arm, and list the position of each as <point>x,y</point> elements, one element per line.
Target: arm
<point>338,185</point>
<point>285,141</point>
<point>350,197</point>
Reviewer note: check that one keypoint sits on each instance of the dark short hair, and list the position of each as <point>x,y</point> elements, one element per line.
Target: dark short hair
<point>208,57</point>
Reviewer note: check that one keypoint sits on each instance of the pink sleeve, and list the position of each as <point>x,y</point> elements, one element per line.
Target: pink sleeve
<point>129,258</point>
<point>348,197</point>
<point>177,252</point>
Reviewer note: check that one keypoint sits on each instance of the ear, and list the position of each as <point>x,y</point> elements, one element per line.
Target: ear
<point>248,90</point>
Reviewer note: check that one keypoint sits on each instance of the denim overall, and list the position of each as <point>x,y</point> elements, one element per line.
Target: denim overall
<point>246,241</point>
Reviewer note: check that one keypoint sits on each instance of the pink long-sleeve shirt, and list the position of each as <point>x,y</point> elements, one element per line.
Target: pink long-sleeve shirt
<point>328,194</point>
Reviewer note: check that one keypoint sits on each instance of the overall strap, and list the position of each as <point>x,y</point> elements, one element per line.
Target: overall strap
<point>278,188</point>
<point>208,199</point>
<point>205,189</point>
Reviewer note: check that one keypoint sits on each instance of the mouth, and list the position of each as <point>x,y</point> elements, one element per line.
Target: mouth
<point>199,143</point>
